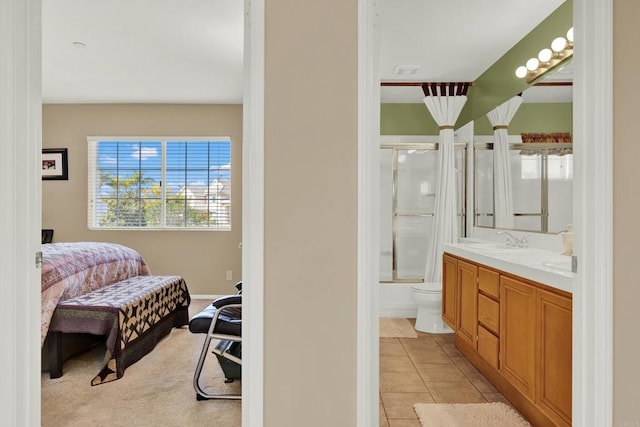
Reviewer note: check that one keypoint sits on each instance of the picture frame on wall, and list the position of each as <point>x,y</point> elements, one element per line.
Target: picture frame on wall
<point>54,164</point>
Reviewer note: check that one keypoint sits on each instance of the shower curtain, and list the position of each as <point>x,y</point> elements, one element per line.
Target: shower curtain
<point>444,102</point>
<point>500,117</point>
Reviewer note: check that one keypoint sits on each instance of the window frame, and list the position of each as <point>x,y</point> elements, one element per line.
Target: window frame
<point>93,174</point>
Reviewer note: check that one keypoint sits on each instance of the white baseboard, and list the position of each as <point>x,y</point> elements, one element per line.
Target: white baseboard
<point>409,311</point>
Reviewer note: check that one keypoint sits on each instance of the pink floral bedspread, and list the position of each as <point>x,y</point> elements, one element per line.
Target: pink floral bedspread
<point>73,269</point>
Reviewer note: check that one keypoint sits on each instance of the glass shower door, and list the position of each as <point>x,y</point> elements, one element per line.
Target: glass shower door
<point>414,207</point>
<point>408,178</point>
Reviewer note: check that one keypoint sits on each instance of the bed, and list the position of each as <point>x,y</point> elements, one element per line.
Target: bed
<point>72,269</point>
<point>106,289</point>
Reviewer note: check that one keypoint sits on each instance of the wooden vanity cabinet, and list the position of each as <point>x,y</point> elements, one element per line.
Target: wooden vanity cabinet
<point>467,294</point>
<point>459,297</point>
<point>449,285</point>
<point>488,338</point>
<point>518,333</point>
<point>553,357</point>
<point>489,282</point>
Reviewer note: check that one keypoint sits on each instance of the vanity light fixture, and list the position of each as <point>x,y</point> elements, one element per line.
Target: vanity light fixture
<point>545,55</point>
<point>561,49</point>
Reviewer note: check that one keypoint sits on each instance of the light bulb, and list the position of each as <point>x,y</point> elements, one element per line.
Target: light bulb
<point>570,35</point>
<point>532,64</point>
<point>521,72</point>
<point>559,44</point>
<point>545,55</point>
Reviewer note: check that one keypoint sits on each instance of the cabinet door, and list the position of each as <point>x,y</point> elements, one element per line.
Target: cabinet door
<point>467,320</point>
<point>553,387</point>
<point>518,334</point>
<point>449,280</point>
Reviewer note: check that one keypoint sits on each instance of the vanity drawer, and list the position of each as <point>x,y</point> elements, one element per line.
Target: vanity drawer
<point>489,282</point>
<point>489,313</point>
<point>488,346</point>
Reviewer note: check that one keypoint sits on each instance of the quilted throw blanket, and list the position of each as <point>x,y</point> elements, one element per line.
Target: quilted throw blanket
<point>77,268</point>
<point>134,314</point>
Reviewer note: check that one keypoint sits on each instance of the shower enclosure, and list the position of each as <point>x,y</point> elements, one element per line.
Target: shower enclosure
<point>408,173</point>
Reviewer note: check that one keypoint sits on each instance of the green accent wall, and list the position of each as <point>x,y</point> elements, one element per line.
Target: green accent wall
<point>414,119</point>
<point>499,82</point>
<point>535,118</point>
<point>406,119</point>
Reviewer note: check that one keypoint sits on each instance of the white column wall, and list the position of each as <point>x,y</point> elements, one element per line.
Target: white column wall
<point>20,187</point>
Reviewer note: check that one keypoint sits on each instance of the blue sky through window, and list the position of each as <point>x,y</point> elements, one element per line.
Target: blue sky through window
<point>188,163</point>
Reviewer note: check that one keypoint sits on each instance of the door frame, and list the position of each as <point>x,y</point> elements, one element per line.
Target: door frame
<point>593,213</point>
<point>20,217</point>
<point>253,215</point>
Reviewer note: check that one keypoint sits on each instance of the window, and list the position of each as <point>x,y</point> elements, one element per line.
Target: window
<point>159,183</point>
<point>559,167</point>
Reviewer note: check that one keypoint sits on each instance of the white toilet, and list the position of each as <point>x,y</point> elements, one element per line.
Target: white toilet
<point>428,297</point>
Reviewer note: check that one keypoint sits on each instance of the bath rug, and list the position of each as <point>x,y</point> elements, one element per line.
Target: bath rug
<point>396,327</point>
<point>494,414</point>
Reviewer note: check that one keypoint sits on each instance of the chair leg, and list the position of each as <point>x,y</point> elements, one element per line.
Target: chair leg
<point>200,393</point>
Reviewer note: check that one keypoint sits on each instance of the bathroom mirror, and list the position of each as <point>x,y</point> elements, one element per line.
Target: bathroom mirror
<point>540,158</point>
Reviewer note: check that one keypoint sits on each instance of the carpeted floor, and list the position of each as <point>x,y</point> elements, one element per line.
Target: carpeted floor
<point>155,391</point>
<point>494,414</point>
<point>391,327</point>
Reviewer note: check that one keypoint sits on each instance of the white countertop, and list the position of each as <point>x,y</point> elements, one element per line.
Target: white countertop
<point>542,266</point>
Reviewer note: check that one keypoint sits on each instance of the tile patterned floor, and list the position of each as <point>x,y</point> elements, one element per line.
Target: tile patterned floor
<point>426,369</point>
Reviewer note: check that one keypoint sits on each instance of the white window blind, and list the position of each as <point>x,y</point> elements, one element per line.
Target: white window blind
<point>159,183</point>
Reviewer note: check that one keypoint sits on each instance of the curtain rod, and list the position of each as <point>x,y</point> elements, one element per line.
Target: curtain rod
<point>424,83</point>
<point>553,84</point>
<point>470,83</point>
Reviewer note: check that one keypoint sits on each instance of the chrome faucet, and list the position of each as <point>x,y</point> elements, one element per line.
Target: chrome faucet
<point>514,241</point>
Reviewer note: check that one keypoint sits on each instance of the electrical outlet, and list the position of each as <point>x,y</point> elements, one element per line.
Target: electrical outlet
<point>229,275</point>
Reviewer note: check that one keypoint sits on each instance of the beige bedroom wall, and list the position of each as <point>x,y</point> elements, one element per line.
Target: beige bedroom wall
<point>202,258</point>
<point>626,233</point>
<point>310,213</point>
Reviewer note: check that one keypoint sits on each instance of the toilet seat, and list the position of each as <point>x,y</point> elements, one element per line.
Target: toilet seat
<point>428,288</point>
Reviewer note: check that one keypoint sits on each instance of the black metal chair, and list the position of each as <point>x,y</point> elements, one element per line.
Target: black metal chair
<point>221,320</point>
<point>47,235</point>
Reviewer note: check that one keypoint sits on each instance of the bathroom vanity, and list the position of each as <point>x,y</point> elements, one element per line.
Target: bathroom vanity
<point>511,310</point>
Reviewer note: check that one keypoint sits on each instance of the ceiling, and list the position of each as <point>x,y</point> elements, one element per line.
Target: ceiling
<point>458,49</point>
<point>191,51</point>
<point>147,51</point>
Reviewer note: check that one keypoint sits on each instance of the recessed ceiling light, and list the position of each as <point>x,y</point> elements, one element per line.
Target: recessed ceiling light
<point>406,69</point>
<point>79,44</point>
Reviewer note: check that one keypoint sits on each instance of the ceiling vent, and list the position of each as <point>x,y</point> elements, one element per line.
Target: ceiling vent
<point>406,70</point>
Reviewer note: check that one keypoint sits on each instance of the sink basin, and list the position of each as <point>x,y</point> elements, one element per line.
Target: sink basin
<point>558,265</point>
<point>493,247</point>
